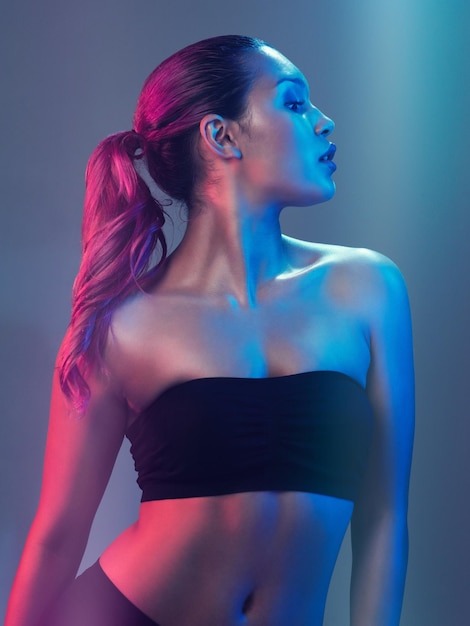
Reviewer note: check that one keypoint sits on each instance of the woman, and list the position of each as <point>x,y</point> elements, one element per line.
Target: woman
<point>265,383</point>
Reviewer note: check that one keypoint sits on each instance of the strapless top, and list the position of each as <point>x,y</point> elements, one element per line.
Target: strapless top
<point>305,432</point>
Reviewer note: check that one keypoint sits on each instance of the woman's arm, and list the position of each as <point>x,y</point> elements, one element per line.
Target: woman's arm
<point>379,523</point>
<point>80,454</point>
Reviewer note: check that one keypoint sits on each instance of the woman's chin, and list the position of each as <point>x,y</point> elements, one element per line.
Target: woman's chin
<point>331,191</point>
<point>319,195</point>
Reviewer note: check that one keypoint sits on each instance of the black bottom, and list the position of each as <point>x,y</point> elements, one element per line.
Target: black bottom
<point>93,600</point>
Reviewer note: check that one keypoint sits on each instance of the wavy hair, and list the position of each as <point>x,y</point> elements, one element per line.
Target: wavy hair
<point>123,244</point>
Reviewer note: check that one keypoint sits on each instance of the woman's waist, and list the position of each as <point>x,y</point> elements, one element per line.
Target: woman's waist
<point>244,530</point>
<point>244,545</point>
<point>243,517</point>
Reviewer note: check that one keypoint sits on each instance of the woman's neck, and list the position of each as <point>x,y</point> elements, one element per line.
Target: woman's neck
<point>231,249</point>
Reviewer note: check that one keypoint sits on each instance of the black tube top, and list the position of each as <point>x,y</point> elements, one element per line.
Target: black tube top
<point>211,436</point>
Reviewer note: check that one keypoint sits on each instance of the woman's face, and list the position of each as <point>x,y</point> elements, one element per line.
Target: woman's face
<point>285,143</point>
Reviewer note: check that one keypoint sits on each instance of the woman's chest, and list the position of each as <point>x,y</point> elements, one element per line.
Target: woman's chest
<point>186,338</point>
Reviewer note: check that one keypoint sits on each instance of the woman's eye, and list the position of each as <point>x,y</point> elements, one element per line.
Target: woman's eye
<point>295,105</point>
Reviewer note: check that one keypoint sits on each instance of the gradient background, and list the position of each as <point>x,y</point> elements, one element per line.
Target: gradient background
<point>395,78</point>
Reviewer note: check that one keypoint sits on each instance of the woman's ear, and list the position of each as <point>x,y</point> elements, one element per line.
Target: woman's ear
<point>219,136</point>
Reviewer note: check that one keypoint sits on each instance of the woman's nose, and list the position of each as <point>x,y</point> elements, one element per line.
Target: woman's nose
<point>324,126</point>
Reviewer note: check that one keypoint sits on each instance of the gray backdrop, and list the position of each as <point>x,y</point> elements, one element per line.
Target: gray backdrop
<point>395,78</point>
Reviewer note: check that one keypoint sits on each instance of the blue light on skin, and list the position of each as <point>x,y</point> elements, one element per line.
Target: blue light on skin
<point>285,164</point>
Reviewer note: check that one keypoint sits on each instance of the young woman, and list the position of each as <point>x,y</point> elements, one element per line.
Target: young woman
<point>265,383</point>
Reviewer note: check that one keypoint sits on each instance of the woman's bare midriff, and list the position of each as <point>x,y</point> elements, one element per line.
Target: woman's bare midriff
<point>258,559</point>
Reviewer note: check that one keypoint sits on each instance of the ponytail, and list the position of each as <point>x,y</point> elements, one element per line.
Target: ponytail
<point>122,226</point>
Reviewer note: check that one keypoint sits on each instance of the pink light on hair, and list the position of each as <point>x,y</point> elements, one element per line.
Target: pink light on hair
<point>122,226</point>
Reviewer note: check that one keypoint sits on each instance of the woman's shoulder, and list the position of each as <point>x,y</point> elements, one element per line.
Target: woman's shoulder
<point>344,256</point>
<point>367,275</point>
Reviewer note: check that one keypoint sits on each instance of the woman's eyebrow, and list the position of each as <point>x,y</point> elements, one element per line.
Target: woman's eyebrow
<point>293,79</point>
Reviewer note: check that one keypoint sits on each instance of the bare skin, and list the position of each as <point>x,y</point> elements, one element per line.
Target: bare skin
<point>239,299</point>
